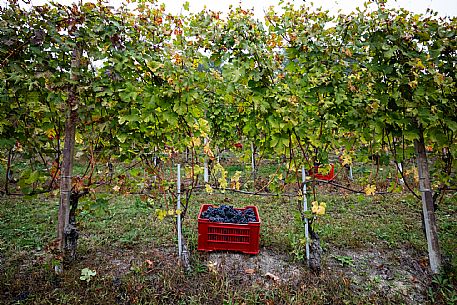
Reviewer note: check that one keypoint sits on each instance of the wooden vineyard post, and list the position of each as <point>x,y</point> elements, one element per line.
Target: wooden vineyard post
<point>8,171</point>
<point>427,206</point>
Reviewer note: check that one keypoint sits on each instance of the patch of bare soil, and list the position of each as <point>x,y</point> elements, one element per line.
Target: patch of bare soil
<point>371,272</point>
<point>118,262</point>
<point>265,269</point>
<point>401,272</point>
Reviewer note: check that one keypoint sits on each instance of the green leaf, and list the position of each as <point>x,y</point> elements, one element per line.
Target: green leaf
<point>411,135</point>
<point>389,53</point>
<point>33,177</point>
<point>437,136</point>
<point>121,137</point>
<point>452,125</point>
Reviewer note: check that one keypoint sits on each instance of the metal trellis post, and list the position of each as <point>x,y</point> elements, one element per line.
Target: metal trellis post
<point>305,209</point>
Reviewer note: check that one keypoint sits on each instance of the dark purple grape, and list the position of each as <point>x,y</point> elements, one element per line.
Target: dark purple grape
<point>227,214</point>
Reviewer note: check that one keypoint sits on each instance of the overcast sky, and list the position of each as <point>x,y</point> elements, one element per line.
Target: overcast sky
<point>443,7</point>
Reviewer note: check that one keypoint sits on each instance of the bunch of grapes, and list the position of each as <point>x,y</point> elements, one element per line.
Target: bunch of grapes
<point>228,214</point>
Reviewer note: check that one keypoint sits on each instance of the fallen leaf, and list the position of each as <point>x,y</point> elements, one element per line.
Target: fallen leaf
<point>212,267</point>
<point>423,262</point>
<point>150,264</point>
<point>272,276</point>
<point>346,282</point>
<point>249,271</point>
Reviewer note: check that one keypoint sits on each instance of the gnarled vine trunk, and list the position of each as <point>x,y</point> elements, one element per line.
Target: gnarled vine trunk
<point>66,231</point>
<point>315,252</point>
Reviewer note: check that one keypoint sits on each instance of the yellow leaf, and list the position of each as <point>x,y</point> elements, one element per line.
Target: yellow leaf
<point>161,214</point>
<point>207,150</point>
<point>236,176</point>
<point>235,180</point>
<point>237,185</point>
<point>188,172</point>
<point>195,63</point>
<point>314,209</point>
<point>79,138</point>
<point>419,64</point>
<point>196,142</point>
<point>198,170</point>
<point>208,189</point>
<point>370,189</point>
<point>223,183</point>
<point>320,210</point>
<point>347,160</point>
<point>413,83</point>
<point>51,133</point>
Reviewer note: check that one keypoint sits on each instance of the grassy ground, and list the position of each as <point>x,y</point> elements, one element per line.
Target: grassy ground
<point>374,253</point>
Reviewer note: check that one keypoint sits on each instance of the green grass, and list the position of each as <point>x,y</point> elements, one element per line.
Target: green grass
<point>26,224</point>
<point>119,233</point>
<point>446,218</point>
<point>360,221</point>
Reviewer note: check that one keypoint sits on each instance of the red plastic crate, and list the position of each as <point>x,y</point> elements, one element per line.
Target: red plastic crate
<point>330,176</point>
<point>228,236</point>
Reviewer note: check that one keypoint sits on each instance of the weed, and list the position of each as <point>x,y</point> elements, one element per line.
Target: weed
<point>443,290</point>
<point>298,245</point>
<point>87,274</point>
<point>344,260</point>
